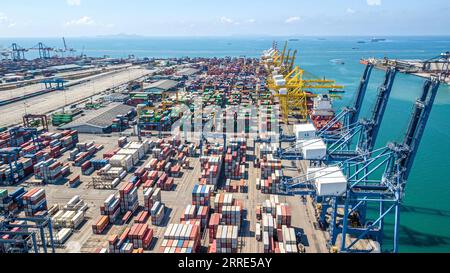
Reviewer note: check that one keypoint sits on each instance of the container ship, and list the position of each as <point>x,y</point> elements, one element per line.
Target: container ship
<point>322,112</point>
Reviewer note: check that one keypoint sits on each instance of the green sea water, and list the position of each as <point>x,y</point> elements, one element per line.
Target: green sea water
<point>425,215</point>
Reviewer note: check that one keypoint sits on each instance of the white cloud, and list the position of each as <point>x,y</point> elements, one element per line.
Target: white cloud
<point>251,21</point>
<point>83,21</point>
<point>73,2</point>
<point>350,10</point>
<point>226,20</point>
<point>292,19</point>
<point>3,17</point>
<point>373,2</point>
<point>4,20</point>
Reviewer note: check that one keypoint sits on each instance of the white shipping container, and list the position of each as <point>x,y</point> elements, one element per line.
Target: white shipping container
<point>77,219</point>
<point>329,181</point>
<point>304,131</point>
<point>313,149</point>
<point>63,235</point>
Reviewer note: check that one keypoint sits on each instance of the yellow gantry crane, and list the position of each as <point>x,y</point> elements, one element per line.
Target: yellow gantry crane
<point>278,62</point>
<point>292,90</point>
<point>289,84</point>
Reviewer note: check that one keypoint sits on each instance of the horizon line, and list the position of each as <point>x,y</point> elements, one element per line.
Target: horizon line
<point>227,36</point>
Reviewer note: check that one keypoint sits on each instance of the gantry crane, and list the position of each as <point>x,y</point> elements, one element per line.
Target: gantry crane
<point>289,84</point>
<point>18,52</point>
<point>342,148</point>
<point>65,49</point>
<point>18,233</point>
<point>44,51</point>
<point>378,180</point>
<point>292,91</point>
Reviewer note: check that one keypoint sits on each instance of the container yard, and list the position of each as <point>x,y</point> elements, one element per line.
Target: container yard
<point>240,155</point>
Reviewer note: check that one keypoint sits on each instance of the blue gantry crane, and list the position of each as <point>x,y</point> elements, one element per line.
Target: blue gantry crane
<point>341,146</point>
<point>19,129</point>
<point>10,156</point>
<point>56,83</point>
<point>378,182</point>
<point>18,52</point>
<point>44,51</point>
<point>349,115</point>
<point>26,237</point>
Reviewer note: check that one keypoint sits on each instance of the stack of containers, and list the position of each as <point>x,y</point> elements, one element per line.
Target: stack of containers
<point>116,242</point>
<point>63,235</point>
<point>268,232</point>
<point>226,239</point>
<point>266,242</point>
<point>111,208</point>
<point>267,148</point>
<point>181,238</point>
<point>140,236</point>
<point>157,213</point>
<point>99,163</point>
<point>142,217</point>
<point>190,213</point>
<point>151,196</point>
<point>269,166</point>
<point>5,201</point>
<point>27,164</point>
<point>120,160</point>
<point>122,142</point>
<point>258,231</point>
<point>87,151</point>
<point>175,170</point>
<point>76,204</point>
<point>283,215</point>
<point>100,225</point>
<point>165,182</point>
<point>141,148</point>
<point>61,141</point>
<point>268,224</point>
<point>50,171</point>
<point>87,168</point>
<point>73,154</point>
<point>270,205</point>
<point>109,154</point>
<point>13,201</point>
<point>235,186</point>
<point>130,152</point>
<point>151,165</point>
<point>289,240</point>
<point>211,166</point>
<point>222,199</point>
<point>202,215</point>
<point>270,185</point>
<point>152,177</point>
<point>213,224</point>
<point>34,201</point>
<point>68,219</point>
<point>201,194</point>
<point>110,173</point>
<point>235,159</point>
<point>165,153</point>
<point>128,198</point>
<point>231,215</point>
<point>69,139</point>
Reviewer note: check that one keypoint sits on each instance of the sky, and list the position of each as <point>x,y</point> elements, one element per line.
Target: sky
<point>75,18</point>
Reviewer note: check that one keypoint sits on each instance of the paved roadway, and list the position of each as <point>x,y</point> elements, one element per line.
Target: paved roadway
<point>12,113</point>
